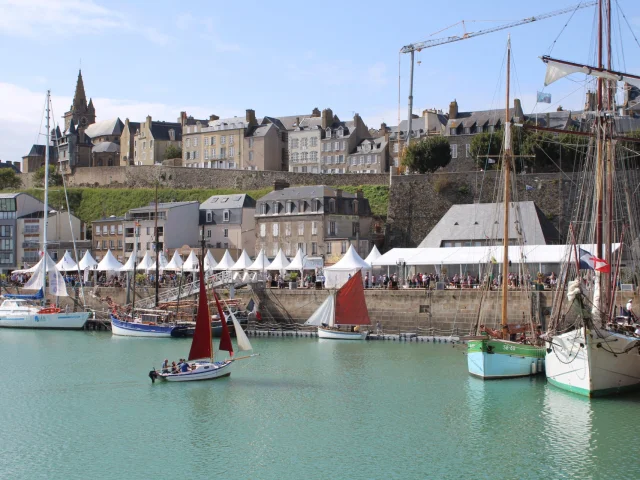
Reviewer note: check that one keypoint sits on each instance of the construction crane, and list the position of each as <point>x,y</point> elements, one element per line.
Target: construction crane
<point>417,47</point>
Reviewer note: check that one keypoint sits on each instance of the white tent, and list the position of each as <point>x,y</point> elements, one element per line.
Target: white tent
<point>297,264</point>
<point>374,254</point>
<point>244,262</point>
<point>162,265</point>
<point>109,263</point>
<point>260,264</point>
<point>128,266</point>
<point>67,264</point>
<point>50,265</point>
<point>145,263</point>
<point>279,263</point>
<point>336,275</point>
<point>209,262</point>
<point>175,263</point>
<point>88,262</point>
<point>191,264</point>
<point>226,263</point>
<point>393,256</point>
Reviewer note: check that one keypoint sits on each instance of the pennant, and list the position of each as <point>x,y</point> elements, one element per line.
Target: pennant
<point>529,188</point>
<point>544,97</point>
<point>591,262</point>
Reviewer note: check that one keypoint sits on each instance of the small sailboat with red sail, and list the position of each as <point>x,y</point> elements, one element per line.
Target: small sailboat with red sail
<point>343,313</point>
<point>201,364</point>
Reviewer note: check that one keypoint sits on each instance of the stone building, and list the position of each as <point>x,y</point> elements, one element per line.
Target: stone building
<point>35,159</point>
<point>320,220</point>
<point>371,156</point>
<point>105,137</point>
<point>108,234</point>
<point>340,139</point>
<point>432,122</point>
<point>127,143</point>
<point>266,146</point>
<point>152,139</point>
<point>305,142</point>
<point>229,222</point>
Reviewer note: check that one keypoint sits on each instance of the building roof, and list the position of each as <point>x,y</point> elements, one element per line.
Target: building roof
<point>484,221</point>
<point>419,126</point>
<point>109,147</point>
<point>133,126</point>
<point>112,218</point>
<point>371,145</point>
<point>218,202</point>
<point>160,131</point>
<point>113,126</point>
<point>40,151</point>
<point>261,130</point>
<point>161,206</point>
<point>10,195</point>
<point>295,193</point>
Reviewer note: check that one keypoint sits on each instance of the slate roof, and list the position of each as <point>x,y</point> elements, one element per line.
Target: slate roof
<point>112,218</point>
<point>261,130</point>
<point>40,151</point>
<point>477,221</point>
<point>161,206</point>
<point>300,193</point>
<point>418,127</point>
<point>220,202</point>
<point>9,195</point>
<point>160,130</point>
<point>133,126</point>
<point>377,145</point>
<point>106,147</point>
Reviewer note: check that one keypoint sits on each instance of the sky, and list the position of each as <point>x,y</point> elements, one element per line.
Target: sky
<point>284,58</point>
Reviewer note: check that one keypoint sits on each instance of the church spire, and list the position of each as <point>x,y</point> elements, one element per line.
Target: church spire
<point>79,98</point>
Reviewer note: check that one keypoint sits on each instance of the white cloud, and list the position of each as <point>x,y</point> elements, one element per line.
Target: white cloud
<point>22,115</point>
<point>44,18</point>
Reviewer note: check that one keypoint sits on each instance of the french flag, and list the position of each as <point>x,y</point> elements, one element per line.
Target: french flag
<point>591,262</point>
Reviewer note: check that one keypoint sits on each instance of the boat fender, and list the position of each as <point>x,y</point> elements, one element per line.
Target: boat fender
<point>153,375</point>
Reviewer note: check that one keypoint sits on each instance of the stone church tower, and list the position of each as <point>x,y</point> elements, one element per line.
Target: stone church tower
<point>81,113</point>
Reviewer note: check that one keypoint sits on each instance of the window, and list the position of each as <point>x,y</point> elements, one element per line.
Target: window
<point>223,152</point>
<point>275,229</point>
<point>209,216</point>
<point>300,228</point>
<point>223,140</point>
<point>112,244</point>
<point>344,247</point>
<point>294,157</point>
<point>304,144</point>
<point>263,209</point>
<point>148,232</point>
<point>314,142</point>
<point>263,230</point>
<point>315,205</point>
<point>336,146</point>
<point>395,148</point>
<point>97,245</point>
<point>314,248</point>
<point>453,131</point>
<point>340,159</point>
<point>314,157</point>
<point>206,154</point>
<point>226,215</point>
<point>274,249</point>
<point>454,151</point>
<point>225,233</point>
<point>332,229</point>
<point>467,130</point>
<point>328,248</point>
<point>208,233</point>
<point>98,230</point>
<point>206,141</point>
<point>314,228</point>
<point>301,206</point>
<point>467,152</point>
<point>213,140</point>
<point>231,137</point>
<point>195,141</point>
<point>287,249</point>
<point>295,143</point>
<point>287,229</point>
<point>188,142</point>
<point>355,228</point>
<point>251,143</point>
<point>112,230</point>
<point>276,208</point>
<point>368,159</point>
<point>120,229</point>
<point>231,151</point>
<point>289,207</point>
<point>104,244</point>
<point>119,244</point>
<point>332,205</point>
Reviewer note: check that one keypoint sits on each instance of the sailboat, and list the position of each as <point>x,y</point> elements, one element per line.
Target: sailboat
<point>496,356</point>
<point>201,364</point>
<point>22,311</point>
<point>345,307</point>
<point>588,351</point>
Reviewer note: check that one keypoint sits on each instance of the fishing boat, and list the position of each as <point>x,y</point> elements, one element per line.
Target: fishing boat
<point>588,351</point>
<point>497,354</point>
<point>201,364</point>
<point>343,313</point>
<point>30,311</point>
<point>142,327</point>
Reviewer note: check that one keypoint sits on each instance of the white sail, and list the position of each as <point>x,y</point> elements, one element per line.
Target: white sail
<point>557,70</point>
<point>325,314</point>
<point>243,341</point>
<point>57,286</point>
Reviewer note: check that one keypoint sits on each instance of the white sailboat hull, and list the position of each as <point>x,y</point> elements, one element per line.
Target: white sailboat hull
<point>203,371</point>
<point>591,369</point>
<point>340,335</point>
<point>59,321</point>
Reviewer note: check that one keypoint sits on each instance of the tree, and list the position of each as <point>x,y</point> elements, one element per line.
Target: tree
<point>485,148</point>
<point>9,179</point>
<point>427,155</point>
<point>55,178</point>
<point>172,152</point>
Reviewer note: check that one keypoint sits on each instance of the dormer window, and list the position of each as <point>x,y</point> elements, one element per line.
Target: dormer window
<point>315,205</point>
<point>263,209</point>
<point>332,205</point>
<point>328,132</point>
<point>226,215</point>
<point>289,207</point>
<point>209,216</point>
<point>301,206</point>
<point>276,208</point>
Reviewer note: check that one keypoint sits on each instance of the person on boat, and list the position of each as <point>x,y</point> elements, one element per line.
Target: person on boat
<point>165,366</point>
<point>630,310</point>
<point>184,368</point>
<point>174,367</point>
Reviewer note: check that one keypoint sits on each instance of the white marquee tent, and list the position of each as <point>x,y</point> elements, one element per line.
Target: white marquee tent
<point>336,275</point>
<point>88,262</point>
<point>191,264</point>
<point>280,262</point>
<point>244,262</point>
<point>162,265</point>
<point>129,264</point>
<point>145,263</point>
<point>67,264</point>
<point>374,254</point>
<point>297,264</point>
<point>209,262</point>
<point>226,263</point>
<point>260,264</point>
<point>109,263</point>
<point>175,263</point>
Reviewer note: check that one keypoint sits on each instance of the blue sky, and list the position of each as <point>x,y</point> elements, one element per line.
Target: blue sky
<point>279,58</point>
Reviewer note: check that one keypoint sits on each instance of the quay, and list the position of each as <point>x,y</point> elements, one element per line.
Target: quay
<point>400,337</point>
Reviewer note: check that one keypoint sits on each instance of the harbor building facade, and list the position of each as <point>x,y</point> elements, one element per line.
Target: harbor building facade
<point>108,234</point>
<point>229,222</point>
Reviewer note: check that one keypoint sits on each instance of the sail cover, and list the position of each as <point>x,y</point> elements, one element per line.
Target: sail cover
<point>225,337</point>
<point>351,307</point>
<point>324,314</point>
<point>201,343</point>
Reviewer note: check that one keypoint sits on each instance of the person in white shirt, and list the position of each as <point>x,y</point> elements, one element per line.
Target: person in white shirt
<point>629,309</point>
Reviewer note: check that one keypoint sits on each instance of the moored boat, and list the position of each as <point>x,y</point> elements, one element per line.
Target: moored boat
<point>16,313</point>
<point>140,329</point>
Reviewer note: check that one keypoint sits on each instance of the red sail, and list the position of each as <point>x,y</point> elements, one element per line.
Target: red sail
<point>201,344</point>
<point>225,337</point>
<point>351,307</point>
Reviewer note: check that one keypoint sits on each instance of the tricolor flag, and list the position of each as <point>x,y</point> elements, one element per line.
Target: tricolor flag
<point>591,262</point>
<point>544,97</point>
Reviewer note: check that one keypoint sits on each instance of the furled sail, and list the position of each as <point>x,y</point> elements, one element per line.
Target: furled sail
<point>201,343</point>
<point>324,314</point>
<point>225,337</point>
<point>351,306</point>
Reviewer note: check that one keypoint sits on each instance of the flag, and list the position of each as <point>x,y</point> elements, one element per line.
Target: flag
<point>491,160</point>
<point>529,188</point>
<point>544,97</point>
<point>591,262</point>
<point>493,259</point>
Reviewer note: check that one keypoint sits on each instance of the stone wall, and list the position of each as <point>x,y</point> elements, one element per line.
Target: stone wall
<point>418,202</point>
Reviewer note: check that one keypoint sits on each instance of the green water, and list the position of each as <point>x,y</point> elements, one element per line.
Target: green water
<point>77,405</point>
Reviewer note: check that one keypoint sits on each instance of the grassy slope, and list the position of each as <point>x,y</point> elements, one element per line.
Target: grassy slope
<point>94,203</point>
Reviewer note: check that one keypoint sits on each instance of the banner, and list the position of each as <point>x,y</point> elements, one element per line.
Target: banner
<point>544,97</point>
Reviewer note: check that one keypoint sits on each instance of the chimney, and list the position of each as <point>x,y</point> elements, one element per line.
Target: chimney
<point>560,109</point>
<point>517,110</point>
<point>359,193</point>
<point>182,120</point>
<point>297,121</point>
<point>280,185</point>
<point>383,128</point>
<point>315,113</point>
<point>453,110</point>
<point>250,117</point>
<point>590,103</point>
<point>327,118</point>
<point>338,192</point>
<point>213,118</point>
<point>18,166</point>
<point>126,123</point>
<point>148,122</point>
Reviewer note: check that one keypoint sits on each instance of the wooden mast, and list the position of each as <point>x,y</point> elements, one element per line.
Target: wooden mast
<point>506,166</point>
<point>599,163</point>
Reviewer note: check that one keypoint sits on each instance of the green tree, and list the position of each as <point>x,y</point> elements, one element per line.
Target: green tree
<point>9,179</point>
<point>427,155</point>
<point>172,152</point>
<point>486,146</point>
<point>55,178</point>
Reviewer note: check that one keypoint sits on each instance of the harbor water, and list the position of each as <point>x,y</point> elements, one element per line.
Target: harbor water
<point>78,405</point>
